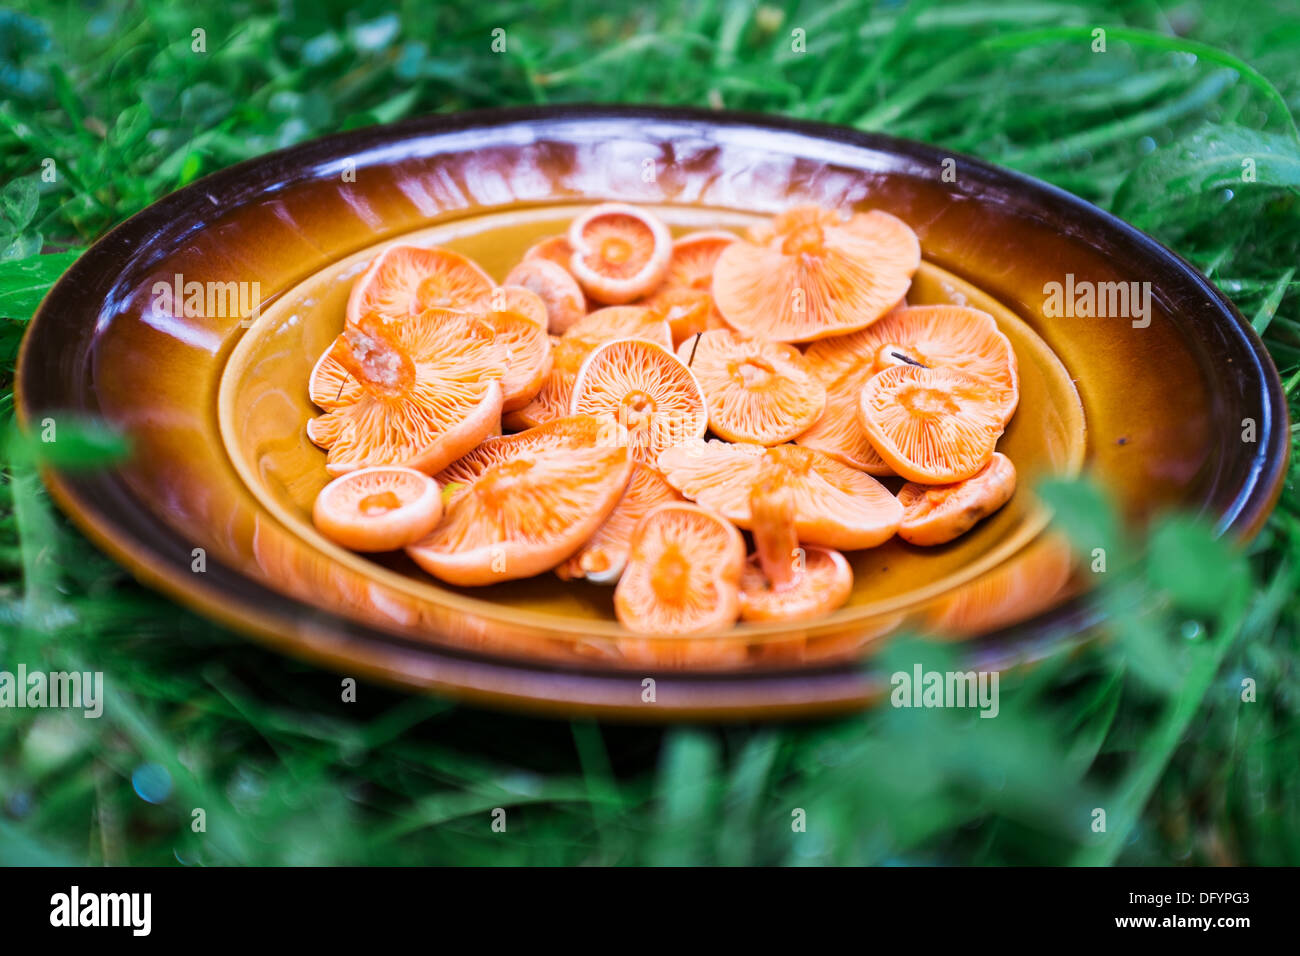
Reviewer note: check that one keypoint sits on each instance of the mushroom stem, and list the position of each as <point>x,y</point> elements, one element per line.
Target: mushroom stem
<point>771,508</point>
<point>372,356</point>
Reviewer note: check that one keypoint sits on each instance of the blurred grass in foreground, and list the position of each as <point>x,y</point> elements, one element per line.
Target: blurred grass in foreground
<point>1148,725</point>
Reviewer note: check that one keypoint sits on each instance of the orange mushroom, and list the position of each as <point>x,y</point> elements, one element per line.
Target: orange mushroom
<point>652,396</point>
<point>835,506</point>
<point>933,425</point>
<point>823,584</point>
<point>572,431</point>
<point>553,248</point>
<point>330,385</point>
<point>935,336</point>
<point>518,299</point>
<point>524,514</point>
<point>571,349</point>
<point>620,252</point>
<point>405,280</point>
<point>839,434</point>
<point>378,509</point>
<point>565,303</point>
<point>811,274</point>
<point>602,558</point>
<point>427,391</point>
<point>756,391</point>
<point>622,322</point>
<point>783,581</point>
<point>685,296</point>
<point>682,574</point>
<point>687,312</point>
<point>526,356</point>
<point>936,514</point>
<point>693,259</point>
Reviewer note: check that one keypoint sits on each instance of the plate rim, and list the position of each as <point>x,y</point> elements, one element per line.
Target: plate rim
<point>777,693</point>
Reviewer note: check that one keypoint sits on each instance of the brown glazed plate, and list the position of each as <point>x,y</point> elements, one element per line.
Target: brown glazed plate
<point>1151,402</point>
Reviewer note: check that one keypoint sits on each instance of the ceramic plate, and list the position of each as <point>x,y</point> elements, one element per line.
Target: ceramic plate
<point>1147,389</point>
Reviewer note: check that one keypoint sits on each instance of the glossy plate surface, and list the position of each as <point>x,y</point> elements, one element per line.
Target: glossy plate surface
<point>215,402</point>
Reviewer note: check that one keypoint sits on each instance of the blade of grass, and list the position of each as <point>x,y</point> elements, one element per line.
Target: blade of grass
<point>893,106</point>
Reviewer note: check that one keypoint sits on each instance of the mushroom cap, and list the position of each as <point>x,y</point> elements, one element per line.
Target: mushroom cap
<point>526,355</point>
<point>682,574</point>
<point>524,514</point>
<point>552,283</point>
<point>936,514</point>
<point>823,583</point>
<point>428,390</point>
<point>811,274</point>
<point>404,280</point>
<point>835,506</point>
<point>620,252</point>
<point>571,431</point>
<point>382,508</point>
<point>652,396</point>
<point>757,391</point>
<point>933,425</point>
<point>602,559</point>
<point>571,349</point>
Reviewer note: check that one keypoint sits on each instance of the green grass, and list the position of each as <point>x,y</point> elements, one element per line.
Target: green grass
<point>1148,725</point>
